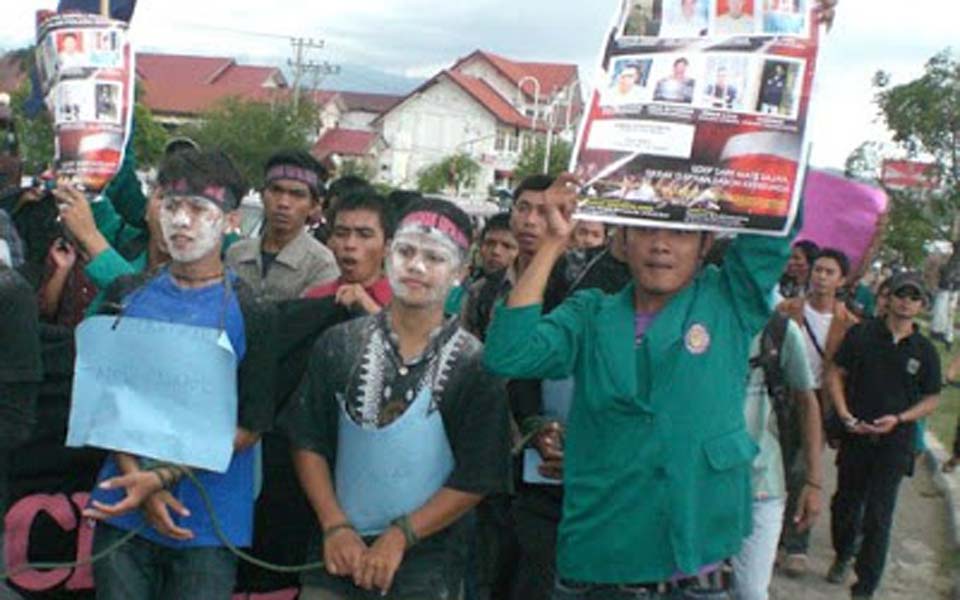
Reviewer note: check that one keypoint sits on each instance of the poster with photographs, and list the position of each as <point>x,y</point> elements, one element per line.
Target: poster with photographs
<point>86,67</point>
<point>698,118</point>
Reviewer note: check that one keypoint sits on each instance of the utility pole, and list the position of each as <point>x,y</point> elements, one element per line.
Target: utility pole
<point>303,67</point>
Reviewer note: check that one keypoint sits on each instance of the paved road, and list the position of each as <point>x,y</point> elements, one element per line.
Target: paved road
<point>918,566</point>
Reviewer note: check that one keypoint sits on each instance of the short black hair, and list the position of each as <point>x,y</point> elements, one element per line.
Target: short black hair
<point>533,183</point>
<point>304,160</point>
<point>204,169</point>
<point>367,199</point>
<point>400,200</point>
<point>681,60</point>
<point>809,249</point>
<point>447,209</point>
<point>838,256</point>
<point>347,184</point>
<point>498,222</point>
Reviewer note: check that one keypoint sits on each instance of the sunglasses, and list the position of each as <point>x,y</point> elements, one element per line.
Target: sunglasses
<point>909,294</point>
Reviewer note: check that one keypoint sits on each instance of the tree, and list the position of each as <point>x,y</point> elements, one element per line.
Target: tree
<point>924,116</point>
<point>531,159</point>
<point>35,134</point>
<point>865,162</point>
<point>357,167</point>
<point>250,132</point>
<point>149,137</point>
<point>452,174</point>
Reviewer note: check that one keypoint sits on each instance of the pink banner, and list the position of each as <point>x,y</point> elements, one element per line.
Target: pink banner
<point>842,214</point>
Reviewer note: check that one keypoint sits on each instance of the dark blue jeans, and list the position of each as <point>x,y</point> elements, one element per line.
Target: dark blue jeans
<point>565,590</point>
<point>144,570</point>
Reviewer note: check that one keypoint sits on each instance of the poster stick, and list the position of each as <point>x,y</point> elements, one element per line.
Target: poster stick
<point>105,8</point>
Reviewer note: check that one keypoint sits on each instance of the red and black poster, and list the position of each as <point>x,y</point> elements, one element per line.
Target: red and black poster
<point>698,118</point>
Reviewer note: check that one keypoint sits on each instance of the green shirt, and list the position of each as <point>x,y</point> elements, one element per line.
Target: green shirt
<point>657,473</point>
<point>767,478</point>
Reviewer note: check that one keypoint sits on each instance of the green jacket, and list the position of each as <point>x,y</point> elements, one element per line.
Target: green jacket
<point>657,473</point>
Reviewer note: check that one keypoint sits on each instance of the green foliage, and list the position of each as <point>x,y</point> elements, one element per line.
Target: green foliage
<point>35,135</point>
<point>908,229</point>
<point>149,137</point>
<point>358,168</point>
<point>531,159</point>
<point>250,132</point>
<point>865,162</point>
<point>924,116</point>
<point>450,175</point>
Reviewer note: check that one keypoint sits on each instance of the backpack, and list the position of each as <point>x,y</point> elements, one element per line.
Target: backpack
<point>771,345</point>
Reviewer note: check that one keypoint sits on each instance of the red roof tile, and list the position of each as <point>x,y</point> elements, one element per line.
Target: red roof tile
<point>552,76</point>
<point>345,142</point>
<point>374,103</point>
<point>189,85</point>
<point>490,98</point>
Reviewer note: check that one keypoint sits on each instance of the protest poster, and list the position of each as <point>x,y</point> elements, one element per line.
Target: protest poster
<point>85,65</point>
<point>698,118</point>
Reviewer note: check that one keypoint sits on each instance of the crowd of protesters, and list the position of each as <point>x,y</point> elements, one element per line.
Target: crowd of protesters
<point>527,407</point>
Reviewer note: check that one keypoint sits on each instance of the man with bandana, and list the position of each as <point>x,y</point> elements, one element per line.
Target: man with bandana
<point>400,431</point>
<point>287,259</point>
<point>176,553</point>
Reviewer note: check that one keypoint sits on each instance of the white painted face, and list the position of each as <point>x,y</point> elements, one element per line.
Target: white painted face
<point>422,266</point>
<point>193,227</point>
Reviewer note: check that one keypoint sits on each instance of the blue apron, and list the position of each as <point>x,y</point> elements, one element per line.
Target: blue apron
<point>382,474</point>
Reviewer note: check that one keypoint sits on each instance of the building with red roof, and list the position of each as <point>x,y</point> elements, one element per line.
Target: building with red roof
<point>486,106</point>
<point>178,88</point>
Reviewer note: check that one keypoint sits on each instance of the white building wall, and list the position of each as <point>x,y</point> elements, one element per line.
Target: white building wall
<point>358,119</point>
<point>440,121</point>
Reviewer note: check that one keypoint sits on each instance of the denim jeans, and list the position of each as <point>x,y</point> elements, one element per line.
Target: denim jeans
<point>565,590</point>
<point>144,570</point>
<point>753,566</point>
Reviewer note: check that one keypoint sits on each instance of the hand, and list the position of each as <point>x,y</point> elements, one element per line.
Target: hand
<point>157,508</point>
<point>244,439</point>
<point>885,424</point>
<point>77,217</point>
<point>826,11</point>
<point>353,295</point>
<point>342,552</point>
<point>63,255</point>
<point>550,446</point>
<point>139,486</point>
<point>953,371</point>
<point>809,508</point>
<point>560,201</point>
<point>381,562</point>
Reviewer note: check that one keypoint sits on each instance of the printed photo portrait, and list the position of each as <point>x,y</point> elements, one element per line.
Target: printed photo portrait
<point>780,85</point>
<point>72,102</point>
<point>684,18</point>
<point>677,82</point>
<point>725,83</point>
<point>643,18</point>
<point>785,17</point>
<point>627,83</point>
<point>735,17</point>
<point>108,102</point>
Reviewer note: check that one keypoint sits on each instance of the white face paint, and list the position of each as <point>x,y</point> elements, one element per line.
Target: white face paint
<point>192,226</point>
<point>422,266</point>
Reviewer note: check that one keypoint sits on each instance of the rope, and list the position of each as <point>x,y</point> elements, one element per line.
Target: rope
<point>217,530</point>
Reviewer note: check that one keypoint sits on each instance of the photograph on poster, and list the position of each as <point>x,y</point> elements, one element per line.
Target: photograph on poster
<point>108,102</point>
<point>780,81</point>
<point>785,17</point>
<point>627,83</point>
<point>106,50</point>
<point>676,79</point>
<point>725,83</point>
<point>73,102</point>
<point>684,18</point>
<point>734,17</point>
<point>642,18</point>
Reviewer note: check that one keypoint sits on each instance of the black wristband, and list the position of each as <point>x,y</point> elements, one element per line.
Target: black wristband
<point>335,528</point>
<point>404,525</point>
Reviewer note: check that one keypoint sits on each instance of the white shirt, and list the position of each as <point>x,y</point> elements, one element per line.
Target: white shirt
<point>820,325</point>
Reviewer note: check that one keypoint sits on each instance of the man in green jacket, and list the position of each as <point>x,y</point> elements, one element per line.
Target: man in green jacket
<point>656,457</point>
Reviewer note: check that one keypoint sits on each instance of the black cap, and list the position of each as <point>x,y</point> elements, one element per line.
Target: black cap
<point>909,279</point>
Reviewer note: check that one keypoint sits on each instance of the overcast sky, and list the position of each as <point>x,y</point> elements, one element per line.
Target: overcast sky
<point>415,38</point>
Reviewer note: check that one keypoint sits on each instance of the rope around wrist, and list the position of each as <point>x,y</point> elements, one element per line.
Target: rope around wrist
<point>406,527</point>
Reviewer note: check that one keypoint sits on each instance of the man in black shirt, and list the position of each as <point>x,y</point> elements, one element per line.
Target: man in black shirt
<point>886,376</point>
<point>400,431</point>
